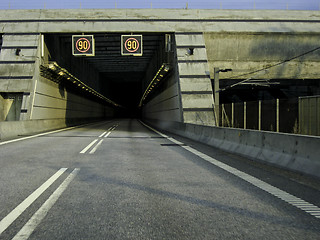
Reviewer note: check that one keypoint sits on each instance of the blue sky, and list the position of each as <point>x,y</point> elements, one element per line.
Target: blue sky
<point>192,4</point>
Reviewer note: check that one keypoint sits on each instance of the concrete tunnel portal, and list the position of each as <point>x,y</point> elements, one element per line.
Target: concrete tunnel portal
<point>122,79</point>
<point>270,57</point>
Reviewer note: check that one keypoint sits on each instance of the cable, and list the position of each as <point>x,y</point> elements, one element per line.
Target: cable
<point>277,64</point>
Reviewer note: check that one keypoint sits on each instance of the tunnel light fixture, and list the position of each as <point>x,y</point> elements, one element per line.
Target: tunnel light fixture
<point>160,75</point>
<point>54,72</point>
<point>52,66</point>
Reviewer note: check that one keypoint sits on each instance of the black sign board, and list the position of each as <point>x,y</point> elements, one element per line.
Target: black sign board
<point>83,45</point>
<point>131,45</point>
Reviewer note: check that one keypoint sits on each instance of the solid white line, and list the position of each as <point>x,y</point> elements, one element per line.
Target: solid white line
<point>14,214</point>
<point>294,201</point>
<point>102,134</point>
<point>46,133</point>
<point>161,134</point>
<point>89,146</point>
<point>107,134</point>
<point>96,147</point>
<point>38,135</point>
<point>34,221</point>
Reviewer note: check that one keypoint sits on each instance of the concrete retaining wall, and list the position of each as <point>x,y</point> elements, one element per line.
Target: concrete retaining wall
<point>245,52</point>
<point>53,101</point>
<point>194,79</point>
<point>166,103</point>
<point>165,106</point>
<point>294,152</point>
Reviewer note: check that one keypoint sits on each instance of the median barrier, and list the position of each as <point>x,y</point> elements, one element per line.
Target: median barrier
<point>290,151</point>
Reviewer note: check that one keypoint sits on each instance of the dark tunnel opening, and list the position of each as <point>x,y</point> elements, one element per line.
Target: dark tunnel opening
<point>122,79</point>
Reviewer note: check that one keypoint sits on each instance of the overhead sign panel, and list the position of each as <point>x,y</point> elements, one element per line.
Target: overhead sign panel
<point>83,45</point>
<point>131,45</point>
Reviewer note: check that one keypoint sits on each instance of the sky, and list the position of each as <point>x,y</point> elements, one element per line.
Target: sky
<point>190,4</point>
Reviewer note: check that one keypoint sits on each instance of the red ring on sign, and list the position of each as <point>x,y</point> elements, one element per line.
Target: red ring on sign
<point>125,45</point>
<point>86,41</point>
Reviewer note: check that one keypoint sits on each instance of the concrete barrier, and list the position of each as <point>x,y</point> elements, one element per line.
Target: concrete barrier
<point>14,129</point>
<point>291,151</point>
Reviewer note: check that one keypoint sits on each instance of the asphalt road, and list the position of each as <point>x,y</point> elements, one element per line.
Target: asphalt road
<point>120,180</point>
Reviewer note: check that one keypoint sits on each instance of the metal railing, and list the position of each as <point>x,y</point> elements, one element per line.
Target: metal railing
<point>278,115</point>
<point>309,115</point>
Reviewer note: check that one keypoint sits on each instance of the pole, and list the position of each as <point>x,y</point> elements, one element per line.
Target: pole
<point>232,114</point>
<point>216,96</point>
<point>222,117</point>
<point>245,115</point>
<point>259,115</point>
<point>278,115</point>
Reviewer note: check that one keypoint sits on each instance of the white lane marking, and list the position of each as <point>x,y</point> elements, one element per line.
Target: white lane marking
<point>156,131</point>
<point>102,134</point>
<point>287,197</point>
<point>110,130</point>
<point>14,214</point>
<point>89,146</point>
<point>47,133</point>
<point>96,147</point>
<point>34,221</point>
<point>38,135</point>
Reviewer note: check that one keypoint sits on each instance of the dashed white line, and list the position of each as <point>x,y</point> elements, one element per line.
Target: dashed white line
<point>96,147</point>
<point>89,146</point>
<point>103,134</point>
<point>34,221</point>
<point>14,214</point>
<point>287,197</point>
<point>107,135</point>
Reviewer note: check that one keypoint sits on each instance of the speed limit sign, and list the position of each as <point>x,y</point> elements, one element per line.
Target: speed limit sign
<point>131,45</point>
<point>83,45</point>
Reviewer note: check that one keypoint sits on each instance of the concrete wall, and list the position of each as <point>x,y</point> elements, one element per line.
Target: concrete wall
<point>16,71</point>
<point>165,20</point>
<point>78,66</point>
<point>165,104</point>
<point>18,60</point>
<point>54,100</point>
<point>194,79</point>
<point>188,97</point>
<point>294,152</point>
<point>52,105</point>
<point>245,52</point>
<point>241,40</point>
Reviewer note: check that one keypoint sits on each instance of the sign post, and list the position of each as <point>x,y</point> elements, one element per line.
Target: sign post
<point>83,45</point>
<point>131,45</point>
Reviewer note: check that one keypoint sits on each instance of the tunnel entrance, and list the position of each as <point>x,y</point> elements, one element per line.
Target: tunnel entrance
<point>122,79</point>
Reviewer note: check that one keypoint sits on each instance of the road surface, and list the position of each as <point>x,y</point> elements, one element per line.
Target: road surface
<point>119,179</point>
